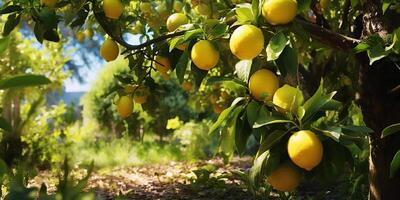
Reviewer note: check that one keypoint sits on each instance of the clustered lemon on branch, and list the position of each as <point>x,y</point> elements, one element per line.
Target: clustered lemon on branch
<point>194,32</point>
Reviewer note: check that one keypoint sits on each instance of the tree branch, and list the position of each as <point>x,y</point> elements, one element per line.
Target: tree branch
<point>328,37</point>
<point>345,17</point>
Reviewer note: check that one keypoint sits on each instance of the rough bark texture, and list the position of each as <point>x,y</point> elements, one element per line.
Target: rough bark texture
<point>380,108</point>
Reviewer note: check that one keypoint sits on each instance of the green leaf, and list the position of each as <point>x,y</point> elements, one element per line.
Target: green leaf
<point>182,65</point>
<point>243,69</point>
<point>27,80</point>
<point>395,164</point>
<point>376,53</point>
<point>263,166</point>
<point>3,168</point>
<point>12,22</point>
<point>394,128</point>
<point>266,117</point>
<point>288,62</point>
<point>318,102</point>
<point>244,15</point>
<point>252,110</point>
<point>4,44</point>
<point>10,9</point>
<point>5,125</point>
<point>222,118</point>
<point>218,31</point>
<point>267,142</point>
<point>256,6</point>
<point>303,5</point>
<point>198,74</point>
<point>276,46</point>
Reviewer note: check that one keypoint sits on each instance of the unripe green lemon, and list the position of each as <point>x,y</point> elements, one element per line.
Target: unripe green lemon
<point>204,55</point>
<point>279,11</point>
<point>305,149</point>
<point>247,42</point>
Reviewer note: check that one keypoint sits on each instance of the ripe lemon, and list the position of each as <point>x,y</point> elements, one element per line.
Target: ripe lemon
<point>109,50</point>
<point>113,8</point>
<point>125,107</point>
<point>263,84</point>
<point>247,42</point>
<point>162,64</point>
<point>279,11</point>
<point>141,95</point>
<point>284,179</point>
<point>288,98</point>
<point>305,149</point>
<point>89,33</point>
<point>187,86</point>
<point>204,55</point>
<point>176,20</point>
<point>145,7</point>
<point>49,3</point>
<point>80,36</point>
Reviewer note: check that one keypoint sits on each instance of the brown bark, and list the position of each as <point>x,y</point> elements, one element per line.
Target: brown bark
<point>380,108</point>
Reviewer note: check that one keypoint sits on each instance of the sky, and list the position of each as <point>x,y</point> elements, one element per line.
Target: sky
<point>72,85</point>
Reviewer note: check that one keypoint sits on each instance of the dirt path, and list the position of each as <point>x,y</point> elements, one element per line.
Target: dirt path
<point>172,181</point>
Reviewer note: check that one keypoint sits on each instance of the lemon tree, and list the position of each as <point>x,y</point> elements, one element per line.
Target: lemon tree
<point>293,70</point>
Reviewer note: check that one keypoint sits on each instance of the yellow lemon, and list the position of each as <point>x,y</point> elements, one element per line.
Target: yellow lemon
<point>279,11</point>
<point>176,20</point>
<point>125,107</point>
<point>288,98</point>
<point>162,64</point>
<point>187,86</point>
<point>49,3</point>
<point>263,84</point>
<point>284,179</point>
<point>80,36</point>
<point>204,55</point>
<point>113,8</point>
<point>305,149</point>
<point>247,42</point>
<point>109,50</point>
<point>89,33</point>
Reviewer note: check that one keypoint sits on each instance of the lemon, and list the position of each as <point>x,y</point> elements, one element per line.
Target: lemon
<point>305,149</point>
<point>203,9</point>
<point>176,20</point>
<point>263,84</point>
<point>162,64</point>
<point>279,11</point>
<point>80,36</point>
<point>324,4</point>
<point>145,7</point>
<point>288,98</point>
<point>141,94</point>
<point>187,86</point>
<point>178,6</point>
<point>125,107</point>
<point>49,3</point>
<point>204,55</point>
<point>109,50</point>
<point>89,33</point>
<point>284,178</point>
<point>183,46</point>
<point>247,42</point>
<point>113,8</point>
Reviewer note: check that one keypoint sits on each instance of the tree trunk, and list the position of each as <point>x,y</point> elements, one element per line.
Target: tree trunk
<point>380,105</point>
